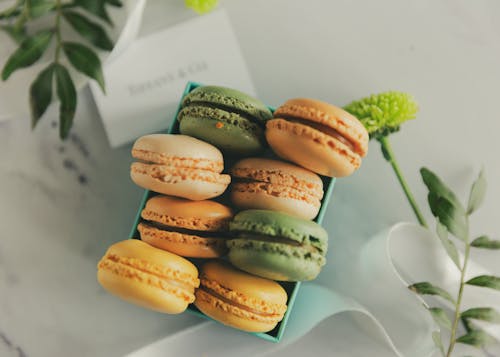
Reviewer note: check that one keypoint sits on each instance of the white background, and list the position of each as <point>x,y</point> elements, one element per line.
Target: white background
<point>445,52</point>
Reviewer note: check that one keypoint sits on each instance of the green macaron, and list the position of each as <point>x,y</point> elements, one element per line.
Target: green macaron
<point>229,119</point>
<point>277,246</point>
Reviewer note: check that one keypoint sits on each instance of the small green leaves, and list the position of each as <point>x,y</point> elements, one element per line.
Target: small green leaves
<point>91,31</point>
<point>477,193</point>
<point>382,114</point>
<point>482,313</point>
<point>41,94</point>
<point>440,317</point>
<point>425,288</point>
<point>201,6</point>
<point>67,95</point>
<point>486,281</point>
<point>485,242</point>
<point>476,338</point>
<point>85,61</point>
<point>445,205</point>
<point>448,245</point>
<point>96,8</point>
<point>436,337</point>
<point>30,51</point>
<point>38,8</point>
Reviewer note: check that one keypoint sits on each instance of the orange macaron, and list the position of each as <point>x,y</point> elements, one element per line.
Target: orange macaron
<point>195,229</point>
<point>276,185</point>
<point>147,276</point>
<point>238,299</point>
<point>178,165</point>
<point>318,136</point>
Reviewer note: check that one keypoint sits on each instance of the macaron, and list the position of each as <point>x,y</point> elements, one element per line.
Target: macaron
<point>188,228</point>
<point>277,246</point>
<point>276,185</point>
<point>148,277</point>
<point>229,119</point>
<point>178,165</point>
<point>318,136</point>
<point>238,299</point>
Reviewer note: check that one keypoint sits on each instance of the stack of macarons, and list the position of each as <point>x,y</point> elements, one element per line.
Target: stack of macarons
<point>229,214</point>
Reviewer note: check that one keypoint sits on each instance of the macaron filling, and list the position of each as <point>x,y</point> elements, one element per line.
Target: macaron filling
<point>199,233</point>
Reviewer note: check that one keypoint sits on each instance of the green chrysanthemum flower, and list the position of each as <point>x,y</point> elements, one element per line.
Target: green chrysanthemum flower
<point>383,113</point>
<point>201,6</point>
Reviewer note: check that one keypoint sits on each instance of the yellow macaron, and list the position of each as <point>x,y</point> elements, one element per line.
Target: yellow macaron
<point>148,277</point>
<point>239,299</point>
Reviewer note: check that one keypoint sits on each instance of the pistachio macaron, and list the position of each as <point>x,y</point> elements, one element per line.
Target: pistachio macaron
<point>148,277</point>
<point>277,246</point>
<point>229,119</point>
<point>318,136</point>
<point>238,299</point>
<point>276,185</point>
<point>178,165</point>
<point>195,229</point>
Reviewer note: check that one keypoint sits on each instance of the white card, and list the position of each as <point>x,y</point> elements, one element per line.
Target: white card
<point>144,85</point>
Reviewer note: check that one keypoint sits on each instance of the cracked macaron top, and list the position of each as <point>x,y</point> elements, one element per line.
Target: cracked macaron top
<point>229,119</point>
<point>276,185</point>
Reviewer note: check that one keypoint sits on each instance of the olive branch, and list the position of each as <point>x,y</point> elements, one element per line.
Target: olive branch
<point>382,115</point>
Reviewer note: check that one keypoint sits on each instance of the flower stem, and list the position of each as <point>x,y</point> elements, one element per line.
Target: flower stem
<point>389,155</point>
<point>459,298</point>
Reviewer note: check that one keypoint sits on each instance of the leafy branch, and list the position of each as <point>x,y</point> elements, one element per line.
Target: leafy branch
<point>79,15</point>
<point>382,115</point>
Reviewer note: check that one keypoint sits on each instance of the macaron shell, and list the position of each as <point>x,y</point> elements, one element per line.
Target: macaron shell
<point>178,146</point>
<point>147,276</point>
<point>230,133</point>
<point>229,98</point>
<point>274,260</point>
<point>185,245</point>
<point>196,215</point>
<point>248,196</point>
<point>222,312</point>
<point>329,115</point>
<point>192,184</point>
<point>311,149</point>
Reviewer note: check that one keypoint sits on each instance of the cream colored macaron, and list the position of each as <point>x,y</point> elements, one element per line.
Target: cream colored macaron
<point>178,165</point>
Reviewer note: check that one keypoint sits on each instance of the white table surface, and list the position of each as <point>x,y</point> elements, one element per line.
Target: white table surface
<point>62,204</point>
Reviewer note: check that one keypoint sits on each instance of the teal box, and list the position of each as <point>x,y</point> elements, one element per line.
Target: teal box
<point>292,288</point>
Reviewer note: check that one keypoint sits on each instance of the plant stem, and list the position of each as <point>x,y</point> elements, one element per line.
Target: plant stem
<point>459,298</point>
<point>389,155</point>
<point>58,31</point>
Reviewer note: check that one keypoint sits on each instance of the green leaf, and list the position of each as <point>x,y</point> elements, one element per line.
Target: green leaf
<point>485,242</point>
<point>67,95</point>
<point>448,245</point>
<point>486,281</point>
<point>18,35</point>
<point>84,60</point>
<point>30,51</point>
<point>436,337</point>
<point>38,8</point>
<point>454,219</point>
<point>41,94</point>
<point>482,313</point>
<point>91,31</point>
<point>477,193</point>
<point>439,188</point>
<point>440,317</point>
<point>95,7</point>
<point>476,338</point>
<point>425,288</point>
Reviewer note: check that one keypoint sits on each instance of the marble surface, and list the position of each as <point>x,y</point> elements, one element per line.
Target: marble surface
<point>62,204</point>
